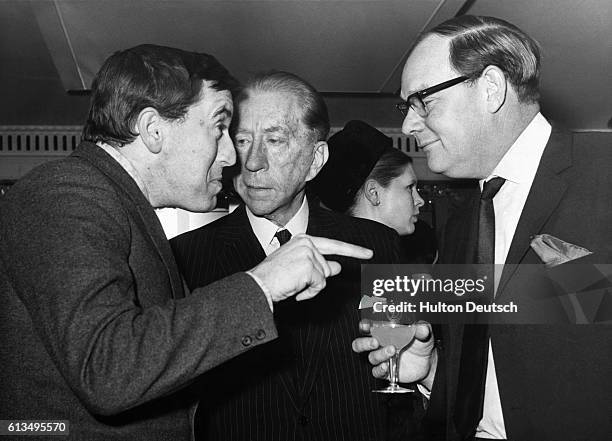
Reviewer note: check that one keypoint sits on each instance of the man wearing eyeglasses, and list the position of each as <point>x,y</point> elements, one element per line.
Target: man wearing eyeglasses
<point>470,91</point>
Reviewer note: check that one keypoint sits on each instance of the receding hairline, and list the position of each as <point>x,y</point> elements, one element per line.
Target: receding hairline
<point>422,41</point>
<point>295,112</point>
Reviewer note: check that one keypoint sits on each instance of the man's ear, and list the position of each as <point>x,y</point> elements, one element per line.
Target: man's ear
<point>149,126</point>
<point>370,191</point>
<point>496,87</point>
<point>320,156</point>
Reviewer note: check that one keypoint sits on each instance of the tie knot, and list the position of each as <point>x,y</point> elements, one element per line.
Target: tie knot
<point>283,236</point>
<point>491,187</point>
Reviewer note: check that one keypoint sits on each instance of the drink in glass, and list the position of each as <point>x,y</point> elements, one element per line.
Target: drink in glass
<point>397,335</point>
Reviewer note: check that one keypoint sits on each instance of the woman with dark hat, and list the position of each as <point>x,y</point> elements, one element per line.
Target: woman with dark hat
<point>365,176</point>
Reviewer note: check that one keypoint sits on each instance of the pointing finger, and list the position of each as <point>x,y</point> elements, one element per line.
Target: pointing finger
<point>339,248</point>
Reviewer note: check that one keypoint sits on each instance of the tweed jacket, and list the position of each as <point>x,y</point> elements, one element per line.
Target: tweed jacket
<point>95,324</point>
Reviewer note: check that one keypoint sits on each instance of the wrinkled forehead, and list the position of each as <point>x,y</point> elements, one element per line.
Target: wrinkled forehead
<point>266,110</point>
<point>427,65</point>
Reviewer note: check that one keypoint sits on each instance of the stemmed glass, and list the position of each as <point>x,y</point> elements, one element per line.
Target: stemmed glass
<point>393,333</point>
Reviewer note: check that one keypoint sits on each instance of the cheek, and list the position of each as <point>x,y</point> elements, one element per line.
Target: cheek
<point>403,208</point>
<point>288,179</point>
<point>293,168</point>
<point>408,206</point>
<point>448,125</point>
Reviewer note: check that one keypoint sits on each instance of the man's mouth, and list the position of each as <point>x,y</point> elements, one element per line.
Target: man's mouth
<point>426,144</point>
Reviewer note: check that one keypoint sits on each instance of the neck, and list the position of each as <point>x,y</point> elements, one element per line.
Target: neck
<point>282,218</point>
<point>144,163</point>
<point>508,126</point>
<point>364,209</point>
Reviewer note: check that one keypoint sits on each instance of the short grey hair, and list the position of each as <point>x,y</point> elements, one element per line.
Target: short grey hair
<point>314,110</point>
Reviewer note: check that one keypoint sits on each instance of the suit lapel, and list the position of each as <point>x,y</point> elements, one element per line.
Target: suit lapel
<point>546,192</point>
<point>239,247</point>
<point>135,202</point>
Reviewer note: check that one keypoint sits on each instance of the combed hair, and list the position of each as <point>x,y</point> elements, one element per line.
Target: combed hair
<point>314,110</point>
<point>478,42</point>
<point>389,166</point>
<point>167,79</point>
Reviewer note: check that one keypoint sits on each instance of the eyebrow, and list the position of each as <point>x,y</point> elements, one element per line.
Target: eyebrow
<point>223,110</point>
<point>275,129</point>
<point>423,86</point>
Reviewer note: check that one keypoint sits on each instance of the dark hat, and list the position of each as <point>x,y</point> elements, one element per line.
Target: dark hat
<point>353,153</point>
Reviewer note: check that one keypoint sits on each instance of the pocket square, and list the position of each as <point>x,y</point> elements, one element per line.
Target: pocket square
<point>554,251</point>
<point>368,302</point>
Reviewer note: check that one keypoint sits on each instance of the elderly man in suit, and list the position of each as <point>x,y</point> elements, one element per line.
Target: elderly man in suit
<point>308,385</point>
<point>471,101</point>
<point>96,326</point>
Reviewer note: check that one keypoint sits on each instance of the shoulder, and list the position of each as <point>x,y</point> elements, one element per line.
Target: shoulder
<point>384,241</point>
<point>585,151</point>
<point>61,202</point>
<point>594,151</point>
<point>58,186</point>
<point>355,227</point>
<point>69,170</point>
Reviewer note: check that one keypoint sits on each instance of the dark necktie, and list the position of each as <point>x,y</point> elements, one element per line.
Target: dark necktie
<point>283,236</point>
<point>474,349</point>
<point>486,221</point>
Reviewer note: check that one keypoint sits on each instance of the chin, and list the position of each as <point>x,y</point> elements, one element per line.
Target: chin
<point>405,231</point>
<point>259,208</point>
<point>202,205</point>
<point>435,166</point>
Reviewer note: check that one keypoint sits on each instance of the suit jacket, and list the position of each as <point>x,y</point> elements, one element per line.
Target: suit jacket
<point>309,384</point>
<point>95,325</point>
<point>554,380</point>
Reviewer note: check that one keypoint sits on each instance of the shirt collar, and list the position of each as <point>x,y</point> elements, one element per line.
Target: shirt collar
<point>265,229</point>
<point>127,166</point>
<point>520,163</point>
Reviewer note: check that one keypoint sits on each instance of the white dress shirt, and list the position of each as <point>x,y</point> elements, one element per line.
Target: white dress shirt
<point>265,229</point>
<point>518,167</point>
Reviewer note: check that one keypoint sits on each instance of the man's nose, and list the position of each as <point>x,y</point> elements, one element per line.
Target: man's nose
<point>226,155</point>
<point>413,123</point>
<point>256,157</point>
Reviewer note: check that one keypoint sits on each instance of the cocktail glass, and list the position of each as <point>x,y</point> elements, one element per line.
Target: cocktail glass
<point>392,333</point>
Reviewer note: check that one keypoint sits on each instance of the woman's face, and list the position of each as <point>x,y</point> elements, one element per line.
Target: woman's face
<point>399,203</point>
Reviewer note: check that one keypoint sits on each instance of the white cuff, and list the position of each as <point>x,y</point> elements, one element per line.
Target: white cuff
<point>424,391</point>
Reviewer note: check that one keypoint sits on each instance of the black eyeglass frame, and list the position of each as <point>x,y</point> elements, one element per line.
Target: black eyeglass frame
<point>417,97</point>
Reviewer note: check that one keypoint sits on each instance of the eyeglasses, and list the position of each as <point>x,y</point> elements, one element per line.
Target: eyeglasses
<point>415,100</point>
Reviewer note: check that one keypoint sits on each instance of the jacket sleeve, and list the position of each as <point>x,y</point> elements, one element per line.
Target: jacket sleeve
<point>65,250</point>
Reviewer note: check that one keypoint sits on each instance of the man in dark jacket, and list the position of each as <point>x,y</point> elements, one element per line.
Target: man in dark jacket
<point>310,385</point>
<point>471,91</point>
